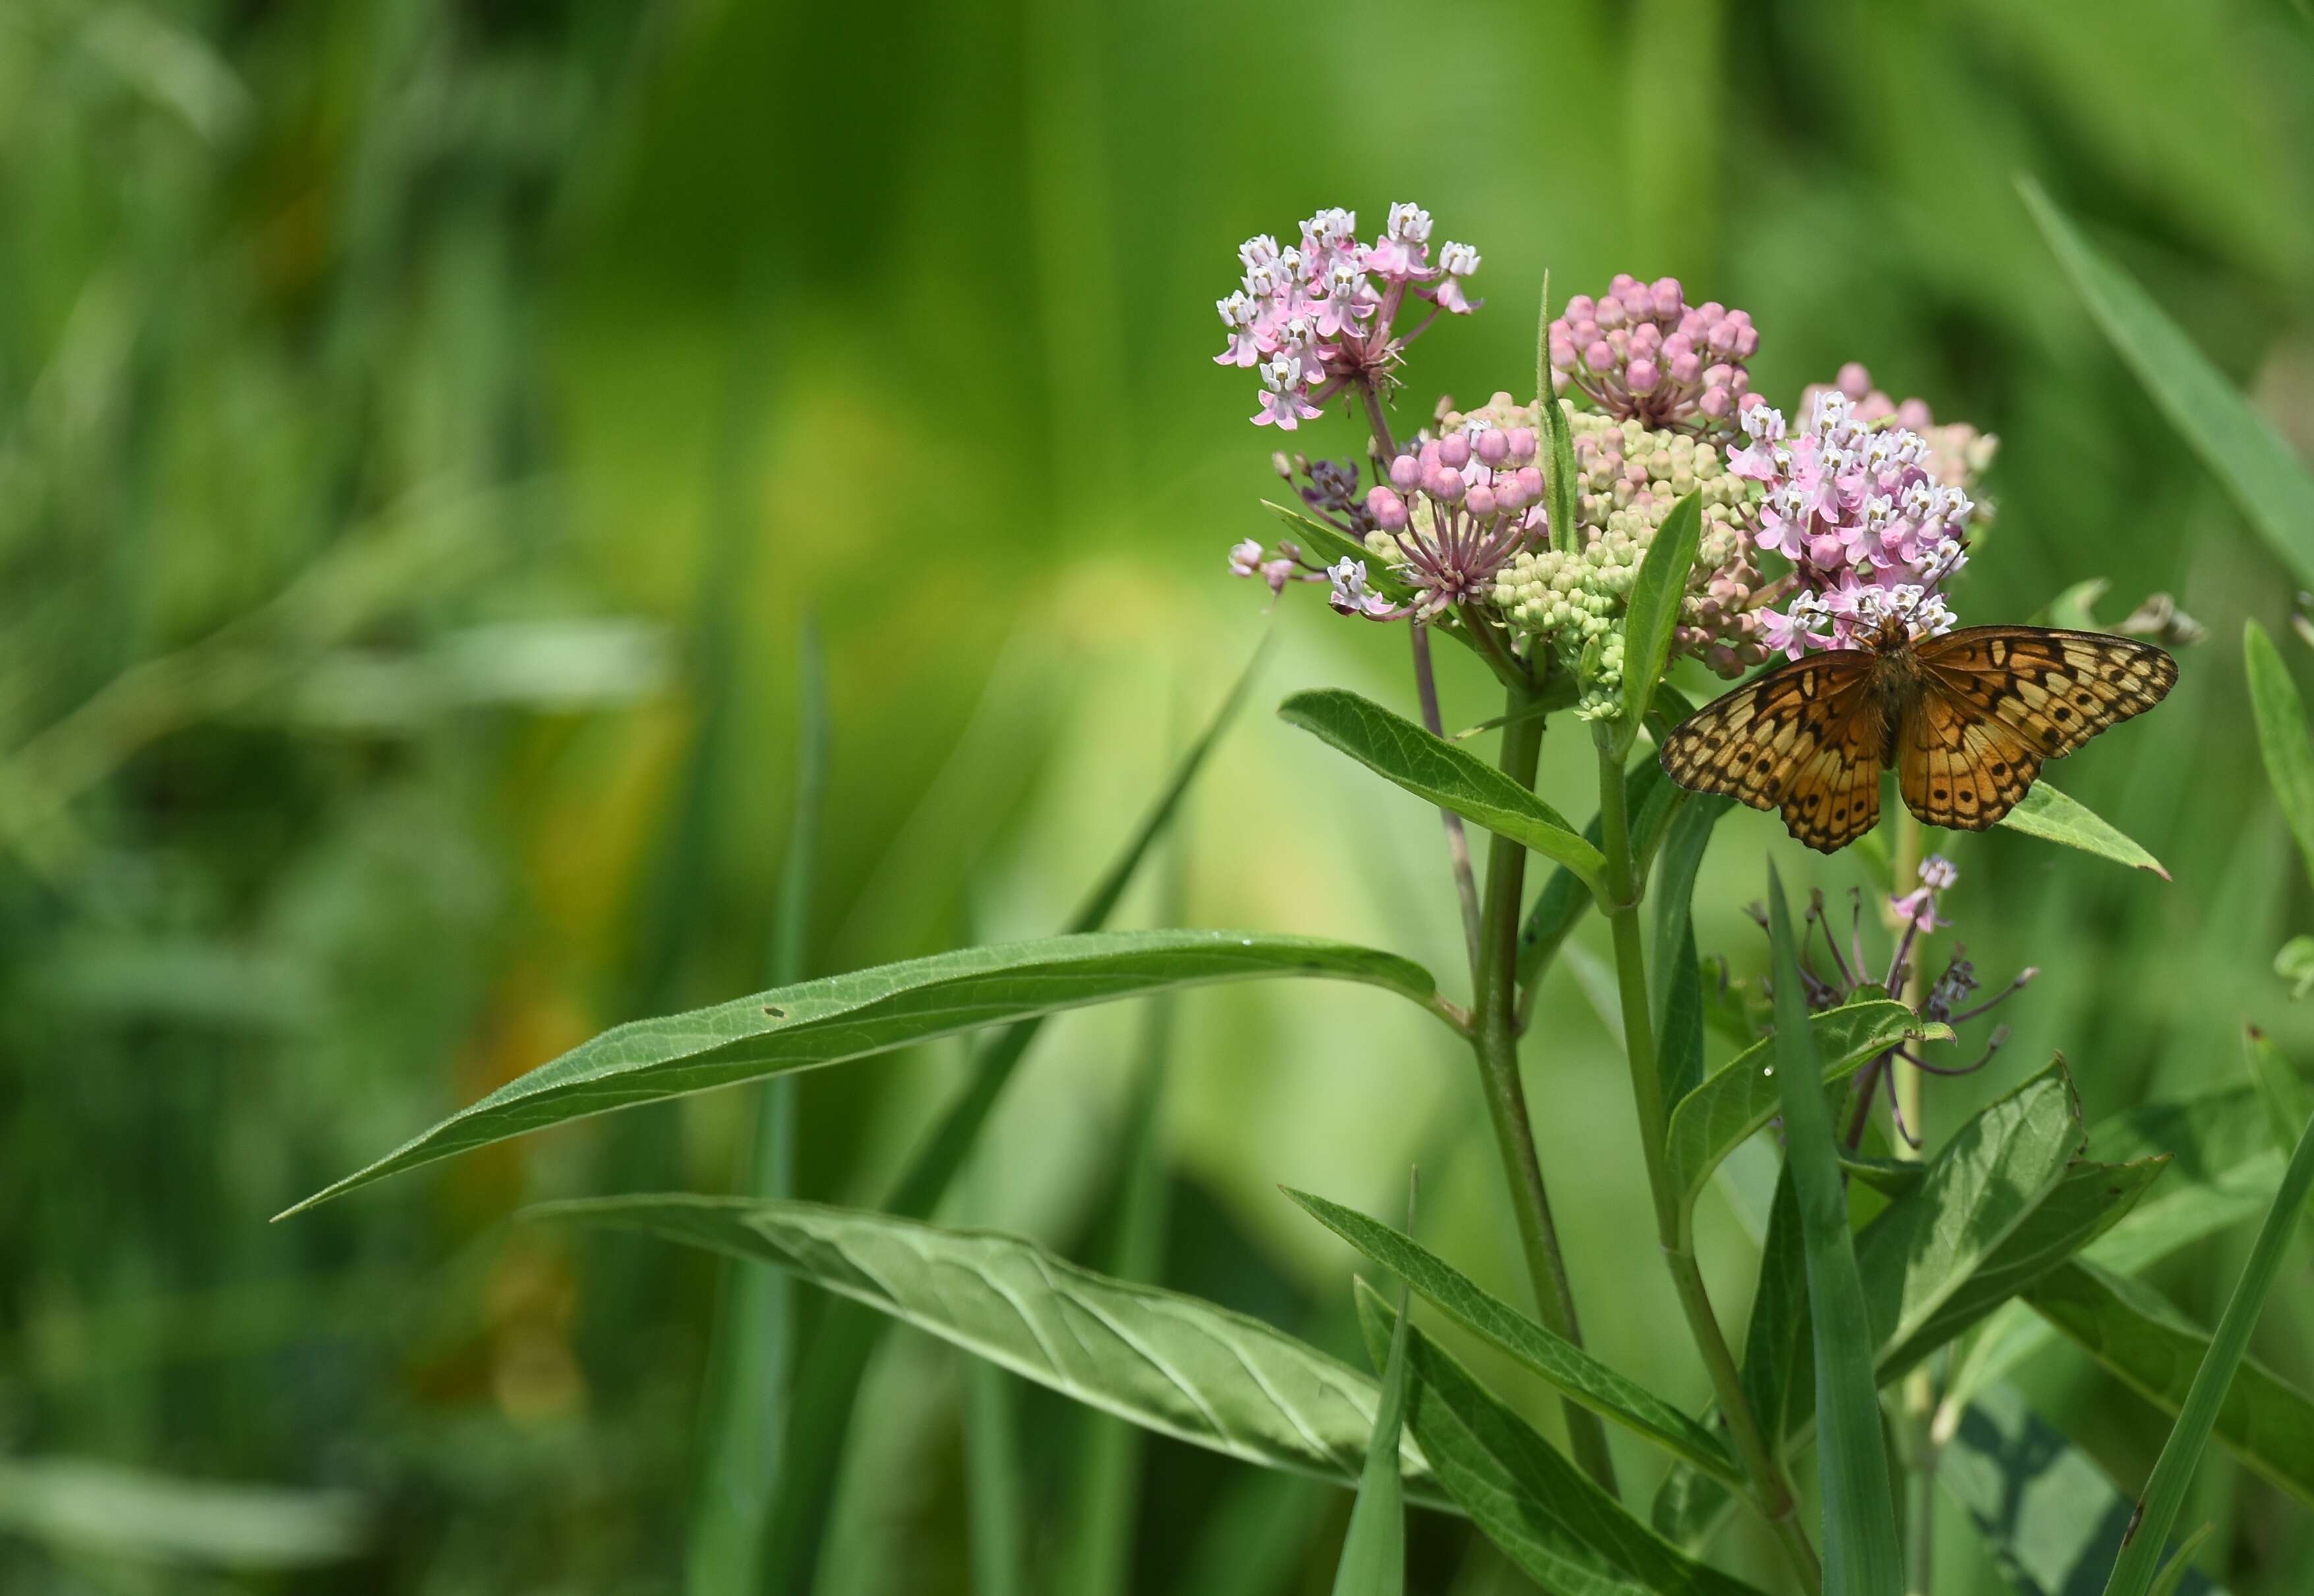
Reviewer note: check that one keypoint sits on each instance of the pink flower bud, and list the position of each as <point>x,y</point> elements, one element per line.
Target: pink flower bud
<point>1510,493</point>
<point>1454,452</point>
<point>1647,338</point>
<point>1481,502</point>
<point>1529,485</point>
<point>1429,456</point>
<point>1825,550</point>
<point>1715,402</point>
<point>1494,446</point>
<point>1580,307</point>
<point>1667,296</point>
<point>1521,443</point>
<point>1562,346</point>
<point>1405,474</point>
<point>1600,355</point>
<point>1686,367</point>
<point>1915,413</point>
<point>1640,375</point>
<point>1584,329</point>
<point>1386,507</point>
<point>1443,484</point>
<point>1853,380</point>
<point>1611,311</point>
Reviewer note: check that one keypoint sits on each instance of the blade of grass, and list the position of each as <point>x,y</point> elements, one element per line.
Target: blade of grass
<point>752,1361</point>
<point>2240,447</point>
<point>2282,736</point>
<point>2173,1472</point>
<point>1861,1556</point>
<point>1373,1551</point>
<point>1558,478</point>
<point>836,1357</point>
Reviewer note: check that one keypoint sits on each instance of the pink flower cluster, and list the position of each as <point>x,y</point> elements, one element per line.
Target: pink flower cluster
<point>1640,352</point>
<point>1870,534</point>
<point>1313,317</point>
<point>1452,516</point>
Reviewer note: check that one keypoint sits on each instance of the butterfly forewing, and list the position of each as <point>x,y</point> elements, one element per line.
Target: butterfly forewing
<point>2056,690</point>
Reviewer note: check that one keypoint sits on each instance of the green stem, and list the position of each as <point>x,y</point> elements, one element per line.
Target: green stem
<point>1770,1489</point>
<point>1494,1042</point>
<point>1917,1451</point>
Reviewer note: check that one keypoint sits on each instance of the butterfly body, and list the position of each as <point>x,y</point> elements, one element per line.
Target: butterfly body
<point>1966,719</point>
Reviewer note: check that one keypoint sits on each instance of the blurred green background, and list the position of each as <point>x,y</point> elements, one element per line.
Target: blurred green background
<point>424,426</point>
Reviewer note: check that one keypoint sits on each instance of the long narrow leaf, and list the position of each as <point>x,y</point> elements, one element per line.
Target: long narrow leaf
<point>2281,736</point>
<point>1570,1370</point>
<point>2138,1336</point>
<point>1373,1551</point>
<point>1653,612</point>
<point>837,1359</point>
<point>2240,447</point>
<point>754,1353</point>
<point>1171,1363</point>
<point>847,1016</point>
<point>2181,1454</point>
<point>1432,768</point>
<point>1861,1556</point>
<point>1549,1516</point>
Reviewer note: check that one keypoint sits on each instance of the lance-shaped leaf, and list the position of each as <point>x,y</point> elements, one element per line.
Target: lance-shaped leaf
<point>870,1012</point>
<point>2281,736</point>
<point>1861,1556</point>
<point>1373,1551</point>
<point>1652,615</point>
<point>2181,1454</point>
<point>2049,814</point>
<point>2135,1332</point>
<point>1435,770</point>
<point>1569,1368</point>
<point>1731,1104</point>
<point>1173,1363</point>
<point>1547,1515</point>
<point>2221,1170</point>
<point>2240,447</point>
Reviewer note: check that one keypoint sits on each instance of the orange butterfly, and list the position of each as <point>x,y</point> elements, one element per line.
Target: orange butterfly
<point>1966,719</point>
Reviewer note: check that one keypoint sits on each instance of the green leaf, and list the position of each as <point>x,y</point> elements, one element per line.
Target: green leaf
<point>2293,961</point>
<point>1677,998</point>
<point>2240,447</point>
<point>1373,1551</point>
<point>1652,614</point>
<point>1549,1516</point>
<point>1171,1363</point>
<point>1568,1369</point>
<point>1435,769</point>
<point>2280,1090</point>
<point>752,1358</point>
<point>2050,815</point>
<point>83,1508</point>
<point>869,1011</point>
<point>1558,476</point>
<point>2281,736</point>
<point>1740,1099</point>
<point>2222,1170</point>
<point>2047,1513</point>
<point>1331,547</point>
<point>2172,1577</point>
<point>836,1358</point>
<point>2181,1454</point>
<point>2132,1330</point>
<point>1861,1556</point>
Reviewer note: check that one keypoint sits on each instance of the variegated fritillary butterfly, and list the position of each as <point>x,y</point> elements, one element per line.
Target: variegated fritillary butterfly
<point>1966,719</point>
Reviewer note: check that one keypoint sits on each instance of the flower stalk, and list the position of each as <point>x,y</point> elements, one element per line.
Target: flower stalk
<point>1770,1485</point>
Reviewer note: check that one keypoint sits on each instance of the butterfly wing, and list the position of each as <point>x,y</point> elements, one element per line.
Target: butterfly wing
<point>2051,690</point>
<point>1806,739</point>
<point>1958,766</point>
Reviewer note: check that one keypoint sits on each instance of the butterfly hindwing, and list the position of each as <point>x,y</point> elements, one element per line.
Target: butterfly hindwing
<point>1958,767</point>
<point>1834,795</point>
<point>1803,725</point>
<point>2054,689</point>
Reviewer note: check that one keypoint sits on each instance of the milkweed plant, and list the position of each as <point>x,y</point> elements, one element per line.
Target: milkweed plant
<point>1642,504</point>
